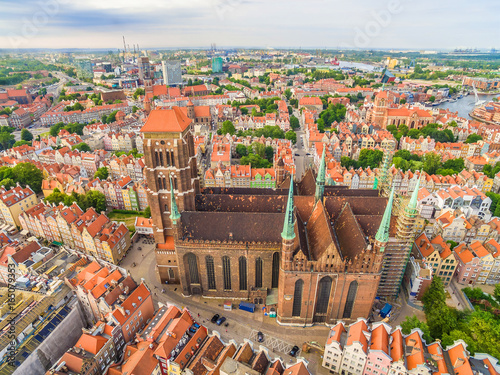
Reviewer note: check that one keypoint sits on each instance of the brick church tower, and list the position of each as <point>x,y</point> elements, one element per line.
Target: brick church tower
<point>169,156</point>
<point>379,111</point>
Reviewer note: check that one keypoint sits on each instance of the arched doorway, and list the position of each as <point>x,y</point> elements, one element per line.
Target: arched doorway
<point>323,297</point>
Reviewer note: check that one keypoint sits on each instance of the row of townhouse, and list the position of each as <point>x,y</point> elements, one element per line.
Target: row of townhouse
<point>404,182</point>
<point>119,141</point>
<point>468,263</point>
<point>125,165</point>
<point>57,114</point>
<point>471,201</point>
<point>87,232</point>
<point>380,350</point>
<point>135,339</point>
<point>240,176</point>
<point>258,122</point>
<point>122,193</point>
<point>456,149</point>
<point>88,162</point>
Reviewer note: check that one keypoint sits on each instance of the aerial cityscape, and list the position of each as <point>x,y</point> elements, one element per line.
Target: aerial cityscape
<point>224,187</point>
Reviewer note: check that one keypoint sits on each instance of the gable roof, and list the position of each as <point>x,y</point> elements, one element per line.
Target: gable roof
<point>166,120</point>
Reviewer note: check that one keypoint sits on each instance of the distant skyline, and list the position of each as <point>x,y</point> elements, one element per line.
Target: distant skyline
<point>385,24</point>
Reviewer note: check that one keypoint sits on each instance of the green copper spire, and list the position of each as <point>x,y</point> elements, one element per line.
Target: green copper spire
<point>414,197</point>
<point>320,180</point>
<point>174,211</point>
<point>383,231</point>
<point>289,224</point>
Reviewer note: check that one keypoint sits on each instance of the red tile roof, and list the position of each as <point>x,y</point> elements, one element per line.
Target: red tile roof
<point>166,120</point>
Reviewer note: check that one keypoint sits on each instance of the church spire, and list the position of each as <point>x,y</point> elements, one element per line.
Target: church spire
<point>174,211</point>
<point>383,231</point>
<point>289,224</point>
<point>414,197</point>
<point>320,179</point>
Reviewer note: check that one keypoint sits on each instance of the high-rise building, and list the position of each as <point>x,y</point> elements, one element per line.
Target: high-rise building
<point>144,68</point>
<point>172,73</point>
<point>216,64</point>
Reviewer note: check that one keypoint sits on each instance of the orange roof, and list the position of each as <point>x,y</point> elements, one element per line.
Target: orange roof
<point>463,253</point>
<point>380,339</point>
<point>459,360</point>
<point>335,333</point>
<point>416,350</point>
<point>356,334</point>
<point>166,120</point>
<point>168,245</point>
<point>173,335</point>
<point>297,369</point>
<point>92,344</point>
<point>437,354</point>
<point>479,249</point>
<point>397,345</point>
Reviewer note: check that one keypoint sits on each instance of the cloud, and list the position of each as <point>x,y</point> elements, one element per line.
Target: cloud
<point>195,23</point>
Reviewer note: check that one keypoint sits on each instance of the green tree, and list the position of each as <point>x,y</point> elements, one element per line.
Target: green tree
<point>6,140</point>
<point>348,163</point>
<point>28,174</point>
<point>228,127</point>
<point>291,136</point>
<point>7,183</point>
<point>26,135</point>
<point>288,94</point>
<point>441,320</point>
<point>101,173</point>
<point>496,292</point>
<point>21,143</point>
<point>402,101</point>
<point>473,138</point>
<point>147,212</point>
<point>432,99</point>
<point>294,122</point>
<point>244,111</point>
<point>414,133</point>
<point>96,199</point>
<point>370,158</point>
<point>138,92</point>
<point>404,154</point>
<point>434,295</point>
<point>432,162</point>
<point>412,322</point>
<point>269,153</point>
<point>82,147</point>
<point>241,150</point>
<point>258,149</point>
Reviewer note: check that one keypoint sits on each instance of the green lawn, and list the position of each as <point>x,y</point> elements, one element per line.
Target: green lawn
<point>127,219</point>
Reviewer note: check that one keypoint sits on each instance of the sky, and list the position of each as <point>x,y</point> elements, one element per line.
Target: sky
<point>348,24</point>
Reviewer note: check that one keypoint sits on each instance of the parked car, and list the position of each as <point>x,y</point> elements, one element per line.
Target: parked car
<point>220,320</point>
<point>260,336</point>
<point>215,318</point>
<point>297,155</point>
<point>294,351</point>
